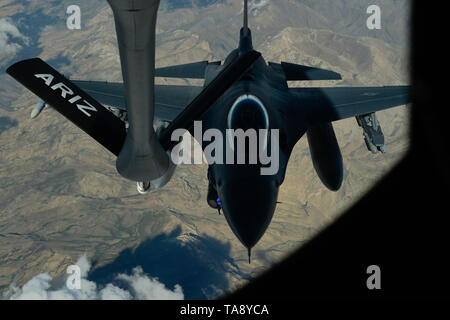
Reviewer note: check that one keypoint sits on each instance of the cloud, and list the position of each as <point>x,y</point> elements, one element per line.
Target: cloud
<point>145,288</point>
<point>256,6</point>
<point>138,286</point>
<point>9,32</point>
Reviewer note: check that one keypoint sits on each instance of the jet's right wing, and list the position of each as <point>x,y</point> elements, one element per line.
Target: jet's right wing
<point>169,100</point>
<point>81,101</point>
<point>108,93</point>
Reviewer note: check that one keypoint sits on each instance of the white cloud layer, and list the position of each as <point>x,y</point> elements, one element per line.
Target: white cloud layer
<point>140,287</point>
<point>8,30</point>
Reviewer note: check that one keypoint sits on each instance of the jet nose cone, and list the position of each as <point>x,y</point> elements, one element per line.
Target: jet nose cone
<point>248,207</point>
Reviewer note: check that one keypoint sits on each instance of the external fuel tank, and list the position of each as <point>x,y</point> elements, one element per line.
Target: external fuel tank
<point>326,155</point>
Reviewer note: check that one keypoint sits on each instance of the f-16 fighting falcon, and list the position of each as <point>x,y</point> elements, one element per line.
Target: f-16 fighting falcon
<point>242,93</point>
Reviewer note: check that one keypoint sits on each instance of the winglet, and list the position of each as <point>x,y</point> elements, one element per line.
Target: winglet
<point>249,254</point>
<point>69,100</point>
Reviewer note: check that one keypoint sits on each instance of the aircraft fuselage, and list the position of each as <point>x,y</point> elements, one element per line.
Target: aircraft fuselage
<point>247,197</point>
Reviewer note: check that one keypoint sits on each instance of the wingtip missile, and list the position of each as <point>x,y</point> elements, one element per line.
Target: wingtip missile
<point>37,109</point>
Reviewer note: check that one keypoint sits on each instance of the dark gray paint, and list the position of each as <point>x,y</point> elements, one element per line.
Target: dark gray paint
<point>142,158</point>
<point>248,199</point>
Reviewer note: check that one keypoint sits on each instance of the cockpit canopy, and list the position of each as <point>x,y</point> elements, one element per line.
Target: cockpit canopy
<point>248,112</point>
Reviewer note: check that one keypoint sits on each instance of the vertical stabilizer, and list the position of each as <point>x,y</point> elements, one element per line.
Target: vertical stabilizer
<point>245,41</point>
<point>245,17</point>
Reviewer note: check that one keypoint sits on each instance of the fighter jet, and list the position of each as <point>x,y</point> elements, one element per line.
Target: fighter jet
<point>242,92</point>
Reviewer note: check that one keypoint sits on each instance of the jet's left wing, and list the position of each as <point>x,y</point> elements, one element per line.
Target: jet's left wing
<point>336,103</point>
<point>169,100</point>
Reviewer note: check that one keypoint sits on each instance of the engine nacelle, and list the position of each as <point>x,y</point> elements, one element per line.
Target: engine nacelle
<point>326,155</point>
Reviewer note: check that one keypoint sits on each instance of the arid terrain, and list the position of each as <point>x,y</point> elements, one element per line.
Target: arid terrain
<point>61,195</point>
